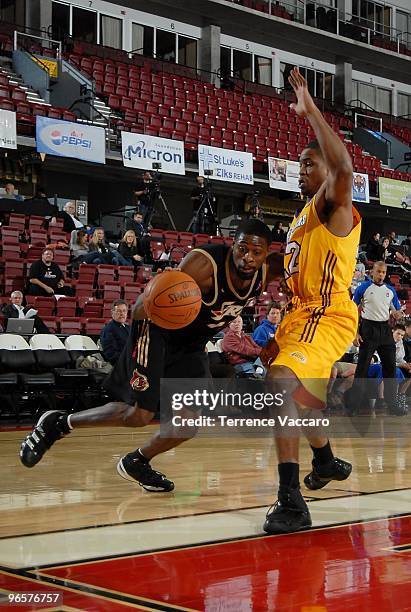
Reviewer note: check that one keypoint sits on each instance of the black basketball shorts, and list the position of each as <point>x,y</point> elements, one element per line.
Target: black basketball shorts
<point>150,354</point>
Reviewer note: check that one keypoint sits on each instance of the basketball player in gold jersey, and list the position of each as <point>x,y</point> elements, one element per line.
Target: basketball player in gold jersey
<point>319,261</point>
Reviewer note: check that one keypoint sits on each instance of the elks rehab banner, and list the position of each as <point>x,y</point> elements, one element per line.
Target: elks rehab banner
<point>69,139</point>
<point>226,165</point>
<point>8,133</point>
<point>142,151</point>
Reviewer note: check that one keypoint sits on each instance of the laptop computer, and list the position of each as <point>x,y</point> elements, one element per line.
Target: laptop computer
<point>24,327</point>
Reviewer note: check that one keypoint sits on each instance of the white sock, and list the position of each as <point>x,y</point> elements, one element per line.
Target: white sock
<point>69,421</point>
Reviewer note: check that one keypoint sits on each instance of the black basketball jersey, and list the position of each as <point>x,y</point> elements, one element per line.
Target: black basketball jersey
<point>224,303</point>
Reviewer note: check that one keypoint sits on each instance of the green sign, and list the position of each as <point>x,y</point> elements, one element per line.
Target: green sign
<point>394,193</point>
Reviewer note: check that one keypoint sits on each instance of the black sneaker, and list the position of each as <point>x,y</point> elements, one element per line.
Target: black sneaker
<point>322,475</point>
<point>51,426</point>
<point>400,407</point>
<point>139,470</point>
<point>289,513</point>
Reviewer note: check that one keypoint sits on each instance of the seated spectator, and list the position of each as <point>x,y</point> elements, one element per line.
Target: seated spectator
<point>46,277</point>
<point>16,310</point>
<point>79,243</point>
<point>241,350</point>
<point>384,251</point>
<point>359,276</point>
<point>100,251</point>
<point>372,248</point>
<point>267,328</point>
<point>11,193</point>
<point>402,371</point>
<point>129,249</point>
<point>278,234</point>
<point>393,238</point>
<point>407,340</point>
<point>407,241</point>
<point>70,221</point>
<point>114,334</point>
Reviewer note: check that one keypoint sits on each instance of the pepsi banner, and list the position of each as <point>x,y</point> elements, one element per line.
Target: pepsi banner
<point>142,151</point>
<point>226,165</point>
<point>67,139</point>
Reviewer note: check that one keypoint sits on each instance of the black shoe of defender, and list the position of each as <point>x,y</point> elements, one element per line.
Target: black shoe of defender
<point>49,428</point>
<point>140,471</point>
<point>289,513</point>
<point>322,475</point>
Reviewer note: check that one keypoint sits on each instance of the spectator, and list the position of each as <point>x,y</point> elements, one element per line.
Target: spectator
<point>70,221</point>
<point>241,350</point>
<point>407,241</point>
<point>11,193</point>
<point>393,238</point>
<point>16,310</point>
<point>46,277</point>
<point>378,300</point>
<point>136,224</point>
<point>402,371</point>
<point>267,328</point>
<point>79,243</point>
<point>129,249</point>
<point>384,251</point>
<point>114,334</point>
<point>359,276</point>
<point>373,249</point>
<point>100,252</point>
<point>278,233</point>
<point>407,341</point>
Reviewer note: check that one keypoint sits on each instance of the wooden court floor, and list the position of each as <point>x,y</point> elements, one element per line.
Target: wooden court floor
<point>73,524</point>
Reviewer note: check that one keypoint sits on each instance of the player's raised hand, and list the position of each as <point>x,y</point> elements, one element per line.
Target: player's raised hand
<point>305,103</point>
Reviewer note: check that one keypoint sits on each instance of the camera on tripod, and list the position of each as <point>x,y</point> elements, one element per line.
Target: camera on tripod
<point>208,172</point>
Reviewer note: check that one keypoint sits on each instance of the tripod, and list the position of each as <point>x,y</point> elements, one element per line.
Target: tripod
<point>156,194</point>
<point>204,216</point>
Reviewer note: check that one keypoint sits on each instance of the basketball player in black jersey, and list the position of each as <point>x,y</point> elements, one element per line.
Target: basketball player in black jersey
<point>228,277</point>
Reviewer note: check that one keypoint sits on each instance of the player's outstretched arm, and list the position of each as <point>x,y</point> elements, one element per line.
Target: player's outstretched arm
<point>338,189</point>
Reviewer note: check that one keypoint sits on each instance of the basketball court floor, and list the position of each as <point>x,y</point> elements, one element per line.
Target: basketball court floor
<point>72,527</point>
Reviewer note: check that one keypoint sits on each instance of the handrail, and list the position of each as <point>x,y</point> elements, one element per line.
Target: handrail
<point>356,115</point>
<point>43,38</point>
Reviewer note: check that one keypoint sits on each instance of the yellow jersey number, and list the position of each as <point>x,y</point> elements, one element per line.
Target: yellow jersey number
<point>292,266</point>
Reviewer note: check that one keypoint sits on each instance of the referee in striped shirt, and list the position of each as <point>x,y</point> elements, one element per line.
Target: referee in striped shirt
<point>377,300</point>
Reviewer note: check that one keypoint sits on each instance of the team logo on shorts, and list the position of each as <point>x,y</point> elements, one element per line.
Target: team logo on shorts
<point>299,356</point>
<point>139,382</point>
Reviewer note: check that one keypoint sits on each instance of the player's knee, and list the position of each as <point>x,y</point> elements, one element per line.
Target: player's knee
<point>139,417</point>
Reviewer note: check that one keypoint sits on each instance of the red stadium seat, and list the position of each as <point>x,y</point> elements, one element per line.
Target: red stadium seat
<point>93,326</point>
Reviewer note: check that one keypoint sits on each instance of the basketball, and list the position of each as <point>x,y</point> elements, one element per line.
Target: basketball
<point>172,299</point>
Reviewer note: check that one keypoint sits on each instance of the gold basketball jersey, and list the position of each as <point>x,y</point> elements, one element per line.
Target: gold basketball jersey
<point>318,264</point>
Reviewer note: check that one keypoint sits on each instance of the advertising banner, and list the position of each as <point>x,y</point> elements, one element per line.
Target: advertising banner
<point>283,174</point>
<point>394,193</point>
<point>226,165</point>
<point>142,151</point>
<point>8,134</point>
<point>67,139</point>
<point>360,188</point>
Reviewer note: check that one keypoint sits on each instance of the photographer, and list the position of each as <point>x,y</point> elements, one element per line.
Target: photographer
<point>196,198</point>
<point>144,193</point>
